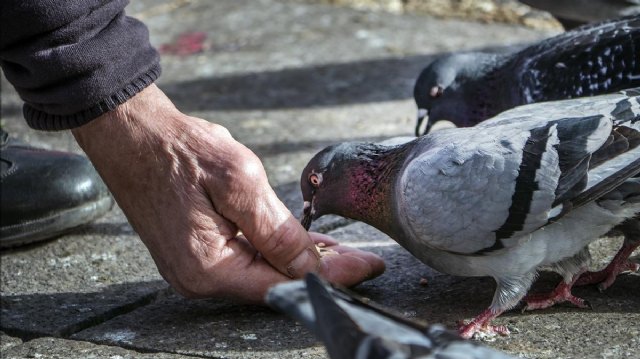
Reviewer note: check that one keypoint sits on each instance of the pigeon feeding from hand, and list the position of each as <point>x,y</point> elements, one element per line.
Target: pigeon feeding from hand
<point>531,187</point>
<point>351,328</point>
<point>468,88</point>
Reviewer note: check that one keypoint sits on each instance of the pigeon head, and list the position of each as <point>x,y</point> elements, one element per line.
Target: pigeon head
<point>352,180</point>
<point>323,178</point>
<point>442,91</point>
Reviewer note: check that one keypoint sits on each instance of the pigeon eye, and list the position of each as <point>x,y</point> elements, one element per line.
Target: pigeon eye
<point>315,179</point>
<point>436,91</point>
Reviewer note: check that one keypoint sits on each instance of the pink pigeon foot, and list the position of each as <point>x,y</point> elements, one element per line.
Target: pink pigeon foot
<point>562,293</point>
<point>619,264</point>
<point>480,325</point>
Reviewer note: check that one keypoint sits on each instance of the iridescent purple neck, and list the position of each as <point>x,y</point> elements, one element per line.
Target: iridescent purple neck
<point>371,183</point>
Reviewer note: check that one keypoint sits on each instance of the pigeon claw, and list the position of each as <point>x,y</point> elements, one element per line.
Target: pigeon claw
<point>479,327</point>
<point>561,294</point>
<point>479,332</point>
<point>619,264</point>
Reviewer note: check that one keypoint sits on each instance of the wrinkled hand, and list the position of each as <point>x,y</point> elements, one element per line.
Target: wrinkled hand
<point>202,205</point>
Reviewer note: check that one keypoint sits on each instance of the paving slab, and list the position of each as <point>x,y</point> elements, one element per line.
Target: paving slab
<point>7,341</point>
<point>56,348</point>
<point>63,285</point>
<point>208,328</point>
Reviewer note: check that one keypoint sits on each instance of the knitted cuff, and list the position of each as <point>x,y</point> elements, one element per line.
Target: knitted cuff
<point>40,120</point>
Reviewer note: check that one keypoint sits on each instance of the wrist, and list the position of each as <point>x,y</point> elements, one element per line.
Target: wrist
<point>144,113</point>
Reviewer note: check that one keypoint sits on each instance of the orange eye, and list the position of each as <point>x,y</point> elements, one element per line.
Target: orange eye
<point>315,179</point>
<point>436,91</point>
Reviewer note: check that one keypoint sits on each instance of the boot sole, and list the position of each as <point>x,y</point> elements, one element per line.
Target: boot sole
<point>52,226</point>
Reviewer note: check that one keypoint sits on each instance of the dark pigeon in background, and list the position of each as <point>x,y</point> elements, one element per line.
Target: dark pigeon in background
<point>351,328</point>
<point>573,13</point>
<point>529,188</point>
<point>468,88</point>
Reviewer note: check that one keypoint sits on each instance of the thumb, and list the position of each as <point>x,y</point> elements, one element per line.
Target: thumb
<point>282,240</point>
<point>251,204</point>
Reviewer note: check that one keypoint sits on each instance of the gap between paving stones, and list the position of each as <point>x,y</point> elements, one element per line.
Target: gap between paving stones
<point>143,350</point>
<point>26,335</point>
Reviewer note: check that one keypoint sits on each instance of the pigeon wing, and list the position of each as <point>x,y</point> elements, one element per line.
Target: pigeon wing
<point>593,59</point>
<point>484,188</point>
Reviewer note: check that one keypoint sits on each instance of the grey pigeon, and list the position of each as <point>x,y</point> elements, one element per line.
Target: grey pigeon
<point>531,187</point>
<point>352,328</point>
<point>468,88</point>
<point>572,13</point>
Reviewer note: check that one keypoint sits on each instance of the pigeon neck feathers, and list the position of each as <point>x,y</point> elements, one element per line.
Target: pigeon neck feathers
<point>357,182</point>
<point>371,184</point>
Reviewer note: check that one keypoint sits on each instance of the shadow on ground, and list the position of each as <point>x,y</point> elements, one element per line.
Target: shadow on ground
<point>335,84</point>
<point>62,314</point>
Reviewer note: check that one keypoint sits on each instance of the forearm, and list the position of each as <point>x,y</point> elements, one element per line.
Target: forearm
<point>72,62</point>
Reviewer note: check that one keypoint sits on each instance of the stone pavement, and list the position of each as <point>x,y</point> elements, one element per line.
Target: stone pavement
<point>286,78</point>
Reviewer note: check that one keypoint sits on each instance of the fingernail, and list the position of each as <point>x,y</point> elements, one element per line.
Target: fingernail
<point>309,258</point>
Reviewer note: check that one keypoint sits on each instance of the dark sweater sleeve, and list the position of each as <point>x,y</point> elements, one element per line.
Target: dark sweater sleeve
<point>72,61</point>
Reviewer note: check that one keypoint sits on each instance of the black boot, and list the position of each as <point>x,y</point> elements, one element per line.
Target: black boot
<point>45,193</point>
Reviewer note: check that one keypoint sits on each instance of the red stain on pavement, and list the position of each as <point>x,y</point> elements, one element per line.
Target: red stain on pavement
<point>188,43</point>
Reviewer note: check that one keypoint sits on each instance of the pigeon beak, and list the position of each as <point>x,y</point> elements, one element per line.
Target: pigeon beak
<point>422,113</point>
<point>308,212</point>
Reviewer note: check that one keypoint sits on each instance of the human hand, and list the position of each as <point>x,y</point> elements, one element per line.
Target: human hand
<point>201,203</point>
